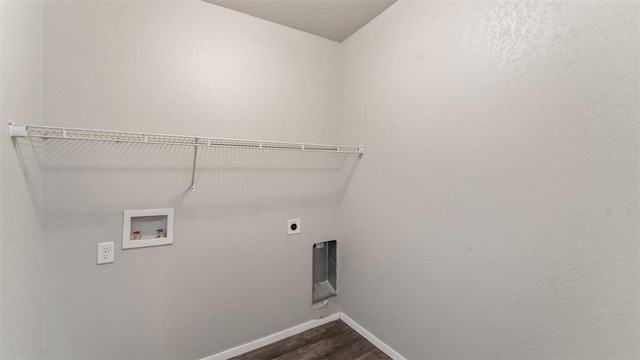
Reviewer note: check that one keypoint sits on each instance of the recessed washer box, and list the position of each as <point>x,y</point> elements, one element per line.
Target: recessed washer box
<point>148,227</point>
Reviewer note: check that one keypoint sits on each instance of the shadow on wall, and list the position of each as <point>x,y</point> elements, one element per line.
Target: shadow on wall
<point>105,172</point>
<point>348,169</point>
<point>29,154</point>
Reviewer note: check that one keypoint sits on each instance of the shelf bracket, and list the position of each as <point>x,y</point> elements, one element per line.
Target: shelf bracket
<point>17,130</point>
<point>193,171</point>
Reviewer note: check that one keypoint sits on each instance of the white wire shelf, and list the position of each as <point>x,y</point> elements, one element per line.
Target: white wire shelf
<point>50,132</point>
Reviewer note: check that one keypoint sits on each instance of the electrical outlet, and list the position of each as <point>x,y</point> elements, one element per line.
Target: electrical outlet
<point>293,226</point>
<point>105,253</point>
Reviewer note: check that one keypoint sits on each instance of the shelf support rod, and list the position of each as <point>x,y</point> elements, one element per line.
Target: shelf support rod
<point>193,171</point>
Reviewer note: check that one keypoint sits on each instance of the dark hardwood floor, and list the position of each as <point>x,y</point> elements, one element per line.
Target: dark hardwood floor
<point>332,341</point>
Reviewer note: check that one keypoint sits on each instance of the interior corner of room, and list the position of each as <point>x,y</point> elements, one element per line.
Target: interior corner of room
<point>419,179</point>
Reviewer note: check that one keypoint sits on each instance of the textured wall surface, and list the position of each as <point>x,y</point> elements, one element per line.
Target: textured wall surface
<point>21,182</point>
<point>495,214</point>
<point>232,274</point>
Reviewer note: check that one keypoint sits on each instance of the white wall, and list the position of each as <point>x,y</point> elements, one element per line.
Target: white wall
<point>495,214</point>
<point>232,274</point>
<point>20,182</point>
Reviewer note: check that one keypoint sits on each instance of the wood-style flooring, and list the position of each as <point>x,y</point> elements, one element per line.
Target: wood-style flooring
<point>331,341</point>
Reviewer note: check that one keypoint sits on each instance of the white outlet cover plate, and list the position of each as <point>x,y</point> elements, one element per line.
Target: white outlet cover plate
<point>105,253</point>
<point>297,226</point>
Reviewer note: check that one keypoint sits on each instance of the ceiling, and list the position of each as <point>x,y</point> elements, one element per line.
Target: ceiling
<point>332,19</point>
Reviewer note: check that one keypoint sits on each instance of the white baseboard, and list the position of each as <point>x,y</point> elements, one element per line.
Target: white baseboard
<point>372,339</point>
<point>256,344</point>
<point>270,339</point>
